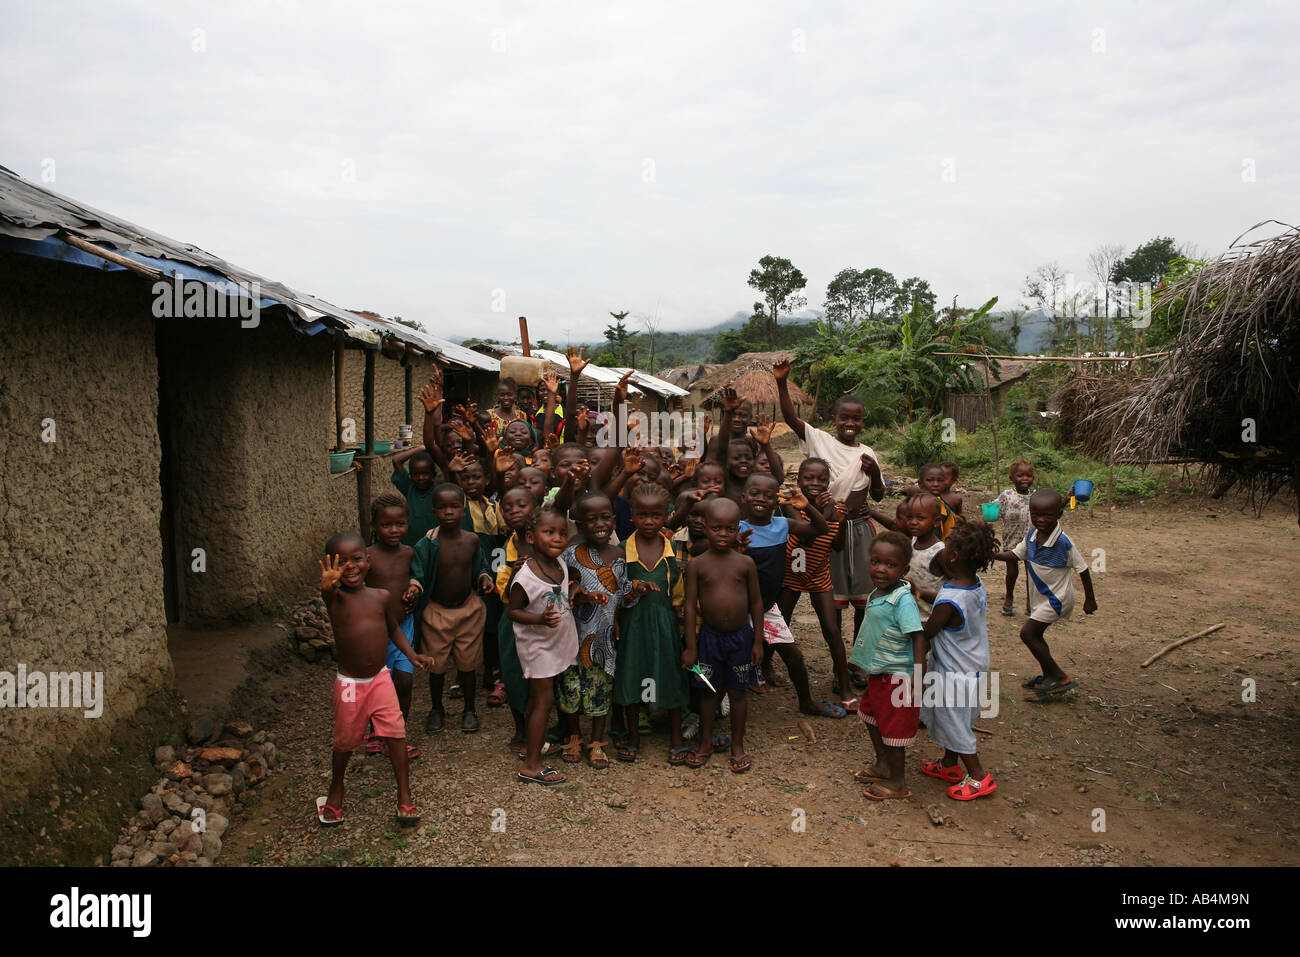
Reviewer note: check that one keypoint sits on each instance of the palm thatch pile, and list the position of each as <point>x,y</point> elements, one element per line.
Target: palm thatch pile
<point>751,376</point>
<point>1089,419</point>
<point>1228,395</point>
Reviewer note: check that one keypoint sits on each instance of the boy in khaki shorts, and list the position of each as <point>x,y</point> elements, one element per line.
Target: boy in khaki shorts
<point>450,569</point>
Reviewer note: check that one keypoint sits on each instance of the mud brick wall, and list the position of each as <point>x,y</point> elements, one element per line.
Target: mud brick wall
<point>80,553</point>
<point>249,409</point>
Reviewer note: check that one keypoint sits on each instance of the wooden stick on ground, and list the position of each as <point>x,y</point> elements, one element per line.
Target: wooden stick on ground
<point>1182,641</point>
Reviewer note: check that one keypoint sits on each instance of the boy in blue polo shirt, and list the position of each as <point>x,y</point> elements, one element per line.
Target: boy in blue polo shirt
<point>764,536</point>
<point>1050,557</point>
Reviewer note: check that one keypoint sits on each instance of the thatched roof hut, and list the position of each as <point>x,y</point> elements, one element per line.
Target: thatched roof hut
<point>751,376</point>
<point>1228,394</point>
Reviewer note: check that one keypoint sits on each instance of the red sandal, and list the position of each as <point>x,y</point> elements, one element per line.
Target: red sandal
<point>970,789</point>
<point>952,775</point>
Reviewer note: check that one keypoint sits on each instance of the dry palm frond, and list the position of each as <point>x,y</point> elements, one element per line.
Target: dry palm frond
<point>1228,394</point>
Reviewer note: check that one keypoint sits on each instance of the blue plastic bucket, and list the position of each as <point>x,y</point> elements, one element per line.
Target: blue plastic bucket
<point>1082,489</point>
<point>992,511</point>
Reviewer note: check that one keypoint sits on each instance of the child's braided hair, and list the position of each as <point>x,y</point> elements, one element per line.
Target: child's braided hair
<point>975,542</point>
<point>545,509</point>
<point>387,500</point>
<point>652,494</point>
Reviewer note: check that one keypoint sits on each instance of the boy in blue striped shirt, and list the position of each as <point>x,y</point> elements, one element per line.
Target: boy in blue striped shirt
<point>1050,557</point>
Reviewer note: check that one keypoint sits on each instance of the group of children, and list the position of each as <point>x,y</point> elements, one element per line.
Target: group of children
<point>587,579</point>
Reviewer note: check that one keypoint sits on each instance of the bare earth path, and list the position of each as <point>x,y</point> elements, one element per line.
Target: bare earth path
<point>1185,771</point>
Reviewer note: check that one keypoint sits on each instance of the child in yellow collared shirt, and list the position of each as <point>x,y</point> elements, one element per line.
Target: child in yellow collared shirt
<point>650,644</point>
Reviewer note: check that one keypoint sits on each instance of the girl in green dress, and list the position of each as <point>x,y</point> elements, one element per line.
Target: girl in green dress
<point>650,641</point>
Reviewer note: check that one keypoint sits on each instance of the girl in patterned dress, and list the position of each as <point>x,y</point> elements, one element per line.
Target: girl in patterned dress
<point>1014,505</point>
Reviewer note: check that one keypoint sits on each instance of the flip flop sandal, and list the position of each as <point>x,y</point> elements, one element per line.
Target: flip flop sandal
<point>677,756</point>
<point>375,746</point>
<point>408,815</point>
<point>952,775</point>
<point>850,706</point>
<point>828,710</point>
<point>888,793</point>
<point>547,748</point>
<point>547,776</point>
<point>412,752</point>
<point>322,807</point>
<point>740,763</point>
<point>1032,683</point>
<point>626,753</point>
<point>721,742</point>
<point>596,756</point>
<point>698,759</point>
<point>1050,688</point>
<point>866,777</point>
<point>497,696</point>
<point>454,691</point>
<point>1008,611</point>
<point>970,789</point>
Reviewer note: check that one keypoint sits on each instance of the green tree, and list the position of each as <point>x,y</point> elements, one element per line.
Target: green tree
<point>617,336</point>
<point>1148,263</point>
<point>913,295</point>
<point>779,281</point>
<point>854,295</point>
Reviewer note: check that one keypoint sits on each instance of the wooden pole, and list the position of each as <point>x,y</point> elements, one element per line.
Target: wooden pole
<point>523,335</point>
<point>117,259</point>
<point>338,393</point>
<point>1182,641</point>
<point>993,422</point>
<point>367,458</point>
<point>410,389</point>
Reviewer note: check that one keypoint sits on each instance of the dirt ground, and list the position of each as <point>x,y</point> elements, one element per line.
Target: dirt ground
<point>1185,771</point>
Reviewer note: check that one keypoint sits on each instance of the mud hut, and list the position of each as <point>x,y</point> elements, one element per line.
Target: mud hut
<point>163,464</point>
<point>1228,393</point>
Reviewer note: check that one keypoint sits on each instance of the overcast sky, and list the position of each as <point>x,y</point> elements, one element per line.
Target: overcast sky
<point>562,160</point>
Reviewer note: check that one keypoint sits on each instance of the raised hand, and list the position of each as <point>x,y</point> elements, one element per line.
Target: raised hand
<point>492,443</point>
<point>781,370</point>
<point>582,421</point>
<point>461,462</point>
<point>580,473</point>
<point>742,540</point>
<point>632,461</point>
<point>552,382</point>
<point>762,430</point>
<point>797,499</point>
<point>463,429</point>
<point>435,379</point>
<point>730,401</point>
<point>706,423</point>
<point>430,399</point>
<point>688,468</point>
<point>576,362</point>
<point>676,470</point>
<point>552,442</point>
<point>620,390</point>
<point>471,412</point>
<point>502,459</point>
<point>331,571</point>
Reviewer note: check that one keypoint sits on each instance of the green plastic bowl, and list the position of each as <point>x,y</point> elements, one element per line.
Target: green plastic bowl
<point>992,511</point>
<point>341,461</point>
<point>381,447</point>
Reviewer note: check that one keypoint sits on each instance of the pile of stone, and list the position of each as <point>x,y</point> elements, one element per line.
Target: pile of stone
<point>310,631</point>
<point>183,817</point>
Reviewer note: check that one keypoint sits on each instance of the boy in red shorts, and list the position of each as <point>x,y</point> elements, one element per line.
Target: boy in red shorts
<point>363,691</point>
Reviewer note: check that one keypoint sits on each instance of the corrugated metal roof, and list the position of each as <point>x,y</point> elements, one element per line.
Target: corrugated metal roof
<point>32,219</point>
<point>602,374</point>
<point>653,383</point>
